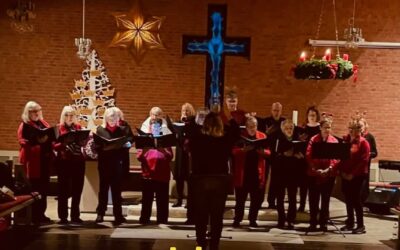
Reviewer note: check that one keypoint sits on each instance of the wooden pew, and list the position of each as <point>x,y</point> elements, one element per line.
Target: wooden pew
<point>20,202</point>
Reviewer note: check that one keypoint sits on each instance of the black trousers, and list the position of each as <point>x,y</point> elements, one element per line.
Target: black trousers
<point>352,191</point>
<point>303,193</point>
<point>272,186</point>
<point>320,191</point>
<point>303,184</point>
<point>282,186</point>
<point>41,185</point>
<point>71,175</point>
<point>365,191</point>
<point>256,199</point>
<point>110,177</point>
<point>160,190</point>
<point>189,202</point>
<point>209,197</point>
<point>180,185</point>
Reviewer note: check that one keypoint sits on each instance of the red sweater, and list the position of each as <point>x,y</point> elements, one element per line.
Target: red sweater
<point>359,157</point>
<point>29,155</point>
<point>155,164</point>
<point>315,164</point>
<point>238,115</point>
<point>239,161</point>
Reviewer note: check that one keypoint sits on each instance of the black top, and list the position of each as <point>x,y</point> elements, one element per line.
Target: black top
<point>111,158</point>
<point>270,127</point>
<point>288,168</point>
<point>181,170</point>
<point>372,144</point>
<point>127,130</point>
<point>210,154</point>
<point>311,131</point>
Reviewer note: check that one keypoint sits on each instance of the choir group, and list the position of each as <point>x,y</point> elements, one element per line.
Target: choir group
<point>217,151</point>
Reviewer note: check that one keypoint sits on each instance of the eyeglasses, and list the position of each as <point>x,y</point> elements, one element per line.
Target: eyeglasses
<point>35,111</point>
<point>326,114</point>
<point>69,115</point>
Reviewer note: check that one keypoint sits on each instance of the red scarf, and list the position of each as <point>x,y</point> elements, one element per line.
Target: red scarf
<point>111,129</point>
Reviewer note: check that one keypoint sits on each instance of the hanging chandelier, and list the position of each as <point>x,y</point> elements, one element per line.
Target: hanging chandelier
<point>353,38</point>
<point>21,15</point>
<point>327,67</point>
<point>353,35</point>
<point>83,43</point>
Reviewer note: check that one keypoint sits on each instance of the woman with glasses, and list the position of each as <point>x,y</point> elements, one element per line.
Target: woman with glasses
<point>373,151</point>
<point>70,166</point>
<point>288,160</point>
<point>156,170</point>
<point>111,165</point>
<point>249,169</point>
<point>36,155</point>
<point>354,172</point>
<point>321,178</point>
<point>181,170</point>
<point>311,128</point>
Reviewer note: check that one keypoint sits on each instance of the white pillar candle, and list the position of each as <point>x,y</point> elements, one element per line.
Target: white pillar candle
<point>294,118</point>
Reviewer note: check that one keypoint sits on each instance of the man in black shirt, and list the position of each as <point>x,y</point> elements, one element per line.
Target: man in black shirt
<point>271,126</point>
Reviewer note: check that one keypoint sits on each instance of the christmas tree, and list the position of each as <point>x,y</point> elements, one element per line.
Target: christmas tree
<point>93,93</point>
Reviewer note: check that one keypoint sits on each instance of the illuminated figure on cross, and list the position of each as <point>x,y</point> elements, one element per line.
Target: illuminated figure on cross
<point>216,48</point>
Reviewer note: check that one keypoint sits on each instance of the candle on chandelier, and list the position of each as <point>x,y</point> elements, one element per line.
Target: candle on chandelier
<point>328,55</point>
<point>302,56</point>
<point>346,57</point>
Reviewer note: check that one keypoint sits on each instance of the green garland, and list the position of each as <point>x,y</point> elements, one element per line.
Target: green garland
<point>316,69</point>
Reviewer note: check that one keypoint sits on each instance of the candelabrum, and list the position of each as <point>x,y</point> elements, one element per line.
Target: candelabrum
<point>353,37</point>
<point>21,14</point>
<point>83,45</point>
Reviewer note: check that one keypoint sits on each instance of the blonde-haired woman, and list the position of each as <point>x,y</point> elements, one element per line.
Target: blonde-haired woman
<point>210,149</point>
<point>110,166</point>
<point>372,154</point>
<point>36,158</point>
<point>287,173</point>
<point>181,170</point>
<point>354,172</point>
<point>155,170</point>
<point>70,167</point>
<point>155,123</point>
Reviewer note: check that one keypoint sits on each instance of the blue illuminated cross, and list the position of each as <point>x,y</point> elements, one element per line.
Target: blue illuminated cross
<point>216,45</point>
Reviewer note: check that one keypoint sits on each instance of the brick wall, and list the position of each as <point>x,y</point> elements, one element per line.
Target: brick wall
<point>42,65</point>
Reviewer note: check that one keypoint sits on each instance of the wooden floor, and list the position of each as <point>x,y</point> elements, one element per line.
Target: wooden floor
<point>134,236</point>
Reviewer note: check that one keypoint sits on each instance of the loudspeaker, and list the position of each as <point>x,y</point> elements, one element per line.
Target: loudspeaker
<point>381,199</point>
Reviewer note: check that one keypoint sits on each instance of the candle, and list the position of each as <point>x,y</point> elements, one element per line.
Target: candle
<point>295,116</point>
<point>328,54</point>
<point>345,57</point>
<point>302,56</point>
